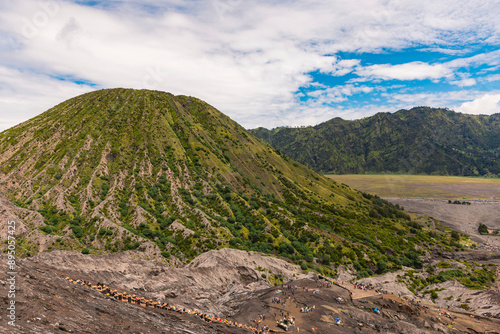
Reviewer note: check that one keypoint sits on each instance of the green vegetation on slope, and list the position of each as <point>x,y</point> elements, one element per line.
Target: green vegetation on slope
<point>417,141</point>
<point>472,275</point>
<point>123,169</point>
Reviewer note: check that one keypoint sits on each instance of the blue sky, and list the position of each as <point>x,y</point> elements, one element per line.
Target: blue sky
<point>263,63</point>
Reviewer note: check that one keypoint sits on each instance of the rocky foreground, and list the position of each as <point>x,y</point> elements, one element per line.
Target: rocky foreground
<point>229,284</point>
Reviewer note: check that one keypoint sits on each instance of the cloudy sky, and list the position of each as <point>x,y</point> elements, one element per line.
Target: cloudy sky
<point>263,63</point>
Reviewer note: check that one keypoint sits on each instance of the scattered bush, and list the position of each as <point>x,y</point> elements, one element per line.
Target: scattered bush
<point>77,231</point>
<point>483,229</point>
<point>46,229</point>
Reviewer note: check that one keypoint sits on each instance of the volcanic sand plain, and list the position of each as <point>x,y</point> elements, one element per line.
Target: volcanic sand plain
<point>429,195</point>
<point>424,186</point>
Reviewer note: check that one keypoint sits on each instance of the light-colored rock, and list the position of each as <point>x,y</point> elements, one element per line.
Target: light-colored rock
<point>388,282</point>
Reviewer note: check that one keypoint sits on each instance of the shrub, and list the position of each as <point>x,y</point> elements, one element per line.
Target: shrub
<point>443,264</point>
<point>286,248</point>
<point>414,259</point>
<point>235,241</point>
<point>147,232</point>
<point>362,274</point>
<point>266,247</point>
<point>357,266</point>
<point>133,246</point>
<point>483,229</point>
<point>85,251</point>
<point>381,266</point>
<point>303,266</point>
<point>77,231</point>
<point>309,258</point>
<point>255,236</point>
<point>46,229</point>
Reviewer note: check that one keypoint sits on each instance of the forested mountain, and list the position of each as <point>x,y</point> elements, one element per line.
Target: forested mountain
<point>418,141</point>
<point>124,169</point>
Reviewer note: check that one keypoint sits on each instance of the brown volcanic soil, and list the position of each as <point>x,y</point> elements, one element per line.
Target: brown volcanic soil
<point>463,218</point>
<point>48,303</point>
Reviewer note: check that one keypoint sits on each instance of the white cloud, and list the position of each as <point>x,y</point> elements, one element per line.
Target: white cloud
<point>464,82</point>
<point>420,71</point>
<point>487,104</point>
<point>344,66</point>
<point>245,58</point>
<point>436,99</point>
<point>488,58</point>
<point>38,93</point>
<point>494,77</point>
<point>337,93</point>
<point>409,71</point>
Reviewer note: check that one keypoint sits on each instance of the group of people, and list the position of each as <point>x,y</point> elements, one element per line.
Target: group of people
<point>276,300</point>
<point>260,318</point>
<point>141,301</point>
<point>286,323</point>
<point>445,314</point>
<point>362,286</point>
<point>307,309</point>
<point>291,290</point>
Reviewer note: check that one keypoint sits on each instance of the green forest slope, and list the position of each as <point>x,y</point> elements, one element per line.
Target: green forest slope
<point>417,141</point>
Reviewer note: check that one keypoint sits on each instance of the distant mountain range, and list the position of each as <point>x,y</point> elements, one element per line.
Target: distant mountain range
<point>421,140</point>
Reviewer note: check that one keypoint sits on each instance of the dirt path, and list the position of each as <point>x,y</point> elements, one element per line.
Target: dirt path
<point>358,293</point>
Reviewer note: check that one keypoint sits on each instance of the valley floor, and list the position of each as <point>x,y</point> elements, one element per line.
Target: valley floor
<point>424,186</point>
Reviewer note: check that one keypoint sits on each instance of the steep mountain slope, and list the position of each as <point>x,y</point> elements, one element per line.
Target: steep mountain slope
<point>420,140</point>
<point>123,169</point>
